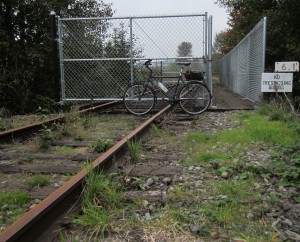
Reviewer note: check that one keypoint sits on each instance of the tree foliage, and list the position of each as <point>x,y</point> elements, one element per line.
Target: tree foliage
<point>283,31</point>
<point>184,49</point>
<point>221,44</point>
<point>26,66</point>
<point>120,45</point>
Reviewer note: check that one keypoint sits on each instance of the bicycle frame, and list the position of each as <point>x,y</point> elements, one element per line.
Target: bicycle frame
<point>156,89</point>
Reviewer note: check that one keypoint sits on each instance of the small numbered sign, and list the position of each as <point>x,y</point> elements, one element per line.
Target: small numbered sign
<point>292,66</point>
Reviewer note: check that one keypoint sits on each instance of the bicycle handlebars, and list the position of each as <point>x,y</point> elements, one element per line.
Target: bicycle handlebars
<point>148,63</point>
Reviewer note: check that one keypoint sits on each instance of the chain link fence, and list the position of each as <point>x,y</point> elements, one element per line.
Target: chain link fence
<point>100,57</point>
<point>241,68</point>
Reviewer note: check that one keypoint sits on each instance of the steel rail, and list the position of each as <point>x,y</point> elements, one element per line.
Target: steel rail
<point>32,225</point>
<point>16,132</point>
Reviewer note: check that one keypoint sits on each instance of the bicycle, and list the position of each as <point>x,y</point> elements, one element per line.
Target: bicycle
<point>194,97</point>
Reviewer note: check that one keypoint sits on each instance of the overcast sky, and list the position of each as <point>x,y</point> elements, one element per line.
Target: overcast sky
<point>126,8</point>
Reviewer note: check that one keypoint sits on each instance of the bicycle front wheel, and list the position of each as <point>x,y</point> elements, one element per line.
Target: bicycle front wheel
<point>194,98</point>
<point>139,99</point>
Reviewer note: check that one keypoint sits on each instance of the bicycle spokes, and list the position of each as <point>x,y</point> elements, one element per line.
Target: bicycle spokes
<point>194,98</point>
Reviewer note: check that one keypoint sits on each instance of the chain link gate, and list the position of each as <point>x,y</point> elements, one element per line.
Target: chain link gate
<point>100,57</point>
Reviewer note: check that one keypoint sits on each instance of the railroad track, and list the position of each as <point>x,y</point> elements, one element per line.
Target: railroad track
<point>25,130</point>
<point>54,201</point>
<point>163,193</point>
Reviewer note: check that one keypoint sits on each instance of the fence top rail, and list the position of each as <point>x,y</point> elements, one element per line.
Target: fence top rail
<point>136,17</point>
<point>134,59</point>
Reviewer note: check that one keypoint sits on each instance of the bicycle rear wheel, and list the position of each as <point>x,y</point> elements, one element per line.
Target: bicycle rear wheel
<point>139,99</point>
<point>194,98</point>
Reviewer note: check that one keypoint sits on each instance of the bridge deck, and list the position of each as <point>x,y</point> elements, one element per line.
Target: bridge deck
<point>225,99</point>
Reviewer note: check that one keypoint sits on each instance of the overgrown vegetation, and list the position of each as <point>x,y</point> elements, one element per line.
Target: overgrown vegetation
<point>10,122</point>
<point>38,180</point>
<point>134,150</point>
<point>11,204</point>
<point>74,125</point>
<point>229,204</point>
<point>101,203</point>
<point>268,126</point>
<point>101,145</point>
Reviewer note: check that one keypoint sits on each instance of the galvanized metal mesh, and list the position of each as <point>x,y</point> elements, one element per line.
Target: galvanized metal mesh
<point>100,57</point>
<point>241,68</point>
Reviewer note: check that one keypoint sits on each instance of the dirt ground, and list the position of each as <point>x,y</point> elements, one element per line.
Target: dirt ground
<point>225,99</point>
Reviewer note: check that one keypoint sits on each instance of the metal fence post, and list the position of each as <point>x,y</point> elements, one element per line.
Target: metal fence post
<point>205,37</point>
<point>55,59</point>
<point>209,45</point>
<point>61,58</point>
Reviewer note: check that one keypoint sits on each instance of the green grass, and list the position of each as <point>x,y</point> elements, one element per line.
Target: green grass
<point>258,129</point>
<point>14,198</point>
<point>207,157</point>
<point>224,212</point>
<point>255,128</point>
<point>101,145</point>
<point>224,150</point>
<point>101,200</point>
<point>38,181</point>
<point>12,206</point>
<point>170,223</point>
<point>265,126</point>
<point>176,216</point>
<point>232,201</point>
<point>199,138</point>
<point>64,150</point>
<point>241,190</point>
<point>156,132</point>
<point>201,158</point>
<point>101,187</point>
<point>180,193</point>
<point>135,149</point>
<point>96,219</point>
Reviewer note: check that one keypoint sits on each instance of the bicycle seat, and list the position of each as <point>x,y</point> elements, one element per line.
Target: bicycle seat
<point>148,62</point>
<point>183,63</point>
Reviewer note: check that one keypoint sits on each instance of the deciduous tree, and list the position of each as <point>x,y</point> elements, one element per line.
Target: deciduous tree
<point>184,49</point>
<point>25,47</point>
<point>283,31</point>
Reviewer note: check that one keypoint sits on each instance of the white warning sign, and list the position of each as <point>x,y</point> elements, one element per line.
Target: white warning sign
<point>277,82</point>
